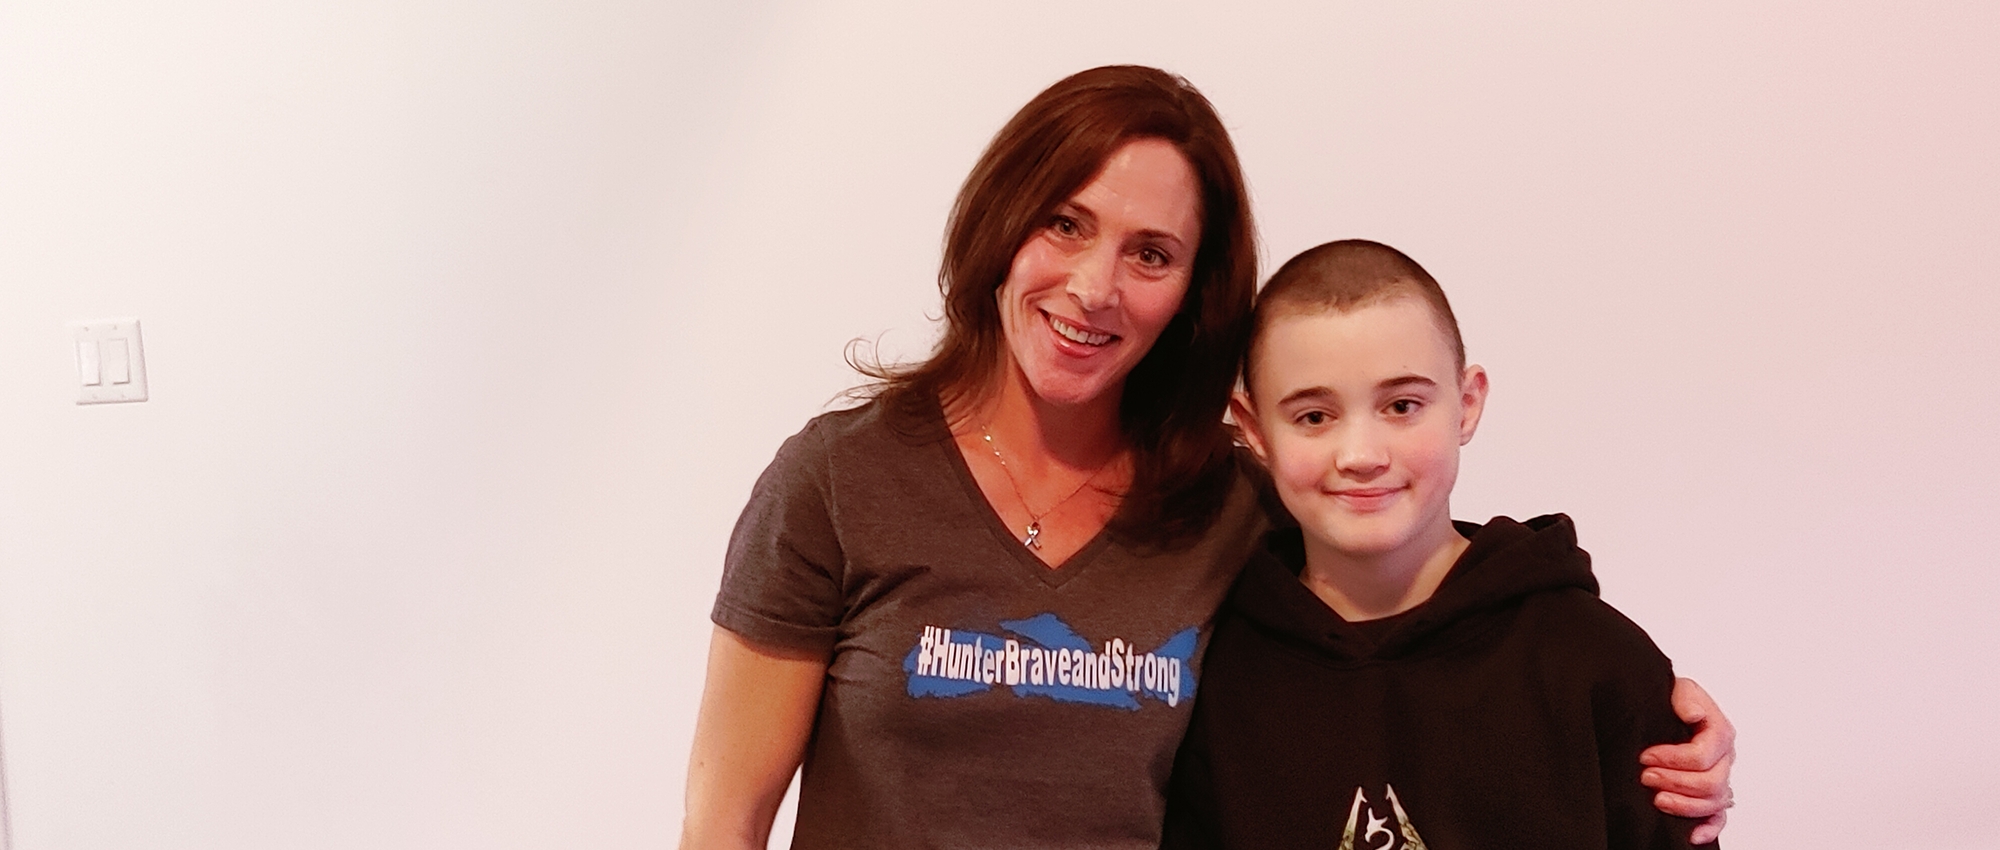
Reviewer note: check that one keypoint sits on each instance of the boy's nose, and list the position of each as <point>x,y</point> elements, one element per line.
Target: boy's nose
<point>1361,456</point>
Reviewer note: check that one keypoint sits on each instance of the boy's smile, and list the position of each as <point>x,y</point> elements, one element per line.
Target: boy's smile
<point>1360,414</point>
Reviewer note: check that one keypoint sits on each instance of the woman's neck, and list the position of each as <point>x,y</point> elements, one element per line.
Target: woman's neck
<point>1054,474</point>
<point>1040,433</point>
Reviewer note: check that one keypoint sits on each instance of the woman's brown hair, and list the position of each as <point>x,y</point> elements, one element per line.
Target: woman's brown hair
<point>1171,409</point>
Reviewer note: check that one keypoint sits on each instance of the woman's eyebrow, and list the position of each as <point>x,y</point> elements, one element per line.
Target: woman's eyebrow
<point>1072,208</point>
<point>1077,209</point>
<point>1162,235</point>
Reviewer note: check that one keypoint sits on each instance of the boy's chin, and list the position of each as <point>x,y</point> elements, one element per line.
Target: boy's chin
<point>1363,542</point>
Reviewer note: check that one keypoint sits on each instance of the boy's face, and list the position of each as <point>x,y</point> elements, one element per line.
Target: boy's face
<point>1359,416</point>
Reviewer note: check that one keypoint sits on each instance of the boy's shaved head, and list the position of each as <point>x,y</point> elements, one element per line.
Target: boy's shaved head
<point>1341,276</point>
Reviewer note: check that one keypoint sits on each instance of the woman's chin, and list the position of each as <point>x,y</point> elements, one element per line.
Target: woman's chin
<point>1075,391</point>
<point>1063,379</point>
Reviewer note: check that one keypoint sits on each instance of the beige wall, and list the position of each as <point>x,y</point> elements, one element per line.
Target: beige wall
<point>469,325</point>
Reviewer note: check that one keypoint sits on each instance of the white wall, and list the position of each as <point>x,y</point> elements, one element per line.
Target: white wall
<point>469,325</point>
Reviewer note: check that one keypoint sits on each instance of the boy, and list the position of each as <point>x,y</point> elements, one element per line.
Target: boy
<point>1382,677</point>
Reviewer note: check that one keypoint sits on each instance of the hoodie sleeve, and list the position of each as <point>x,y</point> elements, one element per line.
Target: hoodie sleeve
<point>1191,809</point>
<point>1632,708</point>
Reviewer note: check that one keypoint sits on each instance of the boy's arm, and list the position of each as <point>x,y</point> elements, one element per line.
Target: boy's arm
<point>1692,779</point>
<point>1191,810</point>
<point>1633,710</point>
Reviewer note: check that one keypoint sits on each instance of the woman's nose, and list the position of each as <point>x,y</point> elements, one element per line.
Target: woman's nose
<point>1093,280</point>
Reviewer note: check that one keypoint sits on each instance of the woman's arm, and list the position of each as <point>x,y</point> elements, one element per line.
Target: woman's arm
<point>1693,778</point>
<point>757,711</point>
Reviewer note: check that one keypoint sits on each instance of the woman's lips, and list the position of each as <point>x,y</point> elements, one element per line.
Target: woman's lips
<point>1079,334</point>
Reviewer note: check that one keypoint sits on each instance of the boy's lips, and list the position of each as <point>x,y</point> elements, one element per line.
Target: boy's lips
<point>1366,498</point>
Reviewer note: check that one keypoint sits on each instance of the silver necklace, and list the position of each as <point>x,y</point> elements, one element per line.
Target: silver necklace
<point>1030,536</point>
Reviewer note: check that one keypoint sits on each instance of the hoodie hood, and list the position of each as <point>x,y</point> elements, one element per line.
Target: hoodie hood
<point>1506,562</point>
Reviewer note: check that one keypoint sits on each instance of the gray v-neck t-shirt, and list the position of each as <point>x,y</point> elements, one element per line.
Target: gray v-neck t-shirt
<point>974,696</point>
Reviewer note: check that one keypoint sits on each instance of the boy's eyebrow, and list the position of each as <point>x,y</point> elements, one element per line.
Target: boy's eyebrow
<point>1326,392</point>
<point>1407,380</point>
<point>1308,392</point>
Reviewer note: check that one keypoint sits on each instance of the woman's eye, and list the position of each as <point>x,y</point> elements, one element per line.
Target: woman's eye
<point>1065,225</point>
<point>1153,257</point>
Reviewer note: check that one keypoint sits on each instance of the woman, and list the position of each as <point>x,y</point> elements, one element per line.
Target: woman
<point>975,605</point>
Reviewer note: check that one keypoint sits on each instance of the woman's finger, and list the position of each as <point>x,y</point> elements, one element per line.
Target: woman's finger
<point>1682,805</point>
<point>1711,784</point>
<point>1709,830</point>
<point>1714,736</point>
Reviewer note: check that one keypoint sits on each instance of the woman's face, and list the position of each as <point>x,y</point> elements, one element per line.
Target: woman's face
<point>1090,291</point>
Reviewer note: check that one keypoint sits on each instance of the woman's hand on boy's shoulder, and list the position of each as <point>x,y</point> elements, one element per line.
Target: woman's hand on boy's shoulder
<point>1693,778</point>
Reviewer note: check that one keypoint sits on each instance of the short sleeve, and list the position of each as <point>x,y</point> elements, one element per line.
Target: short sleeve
<point>781,579</point>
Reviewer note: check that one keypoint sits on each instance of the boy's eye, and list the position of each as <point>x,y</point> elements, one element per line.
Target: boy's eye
<point>1404,406</point>
<point>1314,417</point>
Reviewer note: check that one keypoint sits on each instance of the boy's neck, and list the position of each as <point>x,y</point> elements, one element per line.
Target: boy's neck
<point>1371,586</point>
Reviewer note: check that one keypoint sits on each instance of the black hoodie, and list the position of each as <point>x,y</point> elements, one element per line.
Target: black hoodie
<point>1506,711</point>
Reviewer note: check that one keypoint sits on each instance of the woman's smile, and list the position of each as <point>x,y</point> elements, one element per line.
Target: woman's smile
<point>1105,275</point>
<point>1079,334</point>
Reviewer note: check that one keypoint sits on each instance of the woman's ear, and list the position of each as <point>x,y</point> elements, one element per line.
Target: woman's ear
<point>1247,425</point>
<point>1471,401</point>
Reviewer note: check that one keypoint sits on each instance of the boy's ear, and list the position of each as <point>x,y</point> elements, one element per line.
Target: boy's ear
<point>1248,426</point>
<point>1471,401</point>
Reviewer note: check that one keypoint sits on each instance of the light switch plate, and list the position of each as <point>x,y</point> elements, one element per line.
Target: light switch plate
<point>110,364</point>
